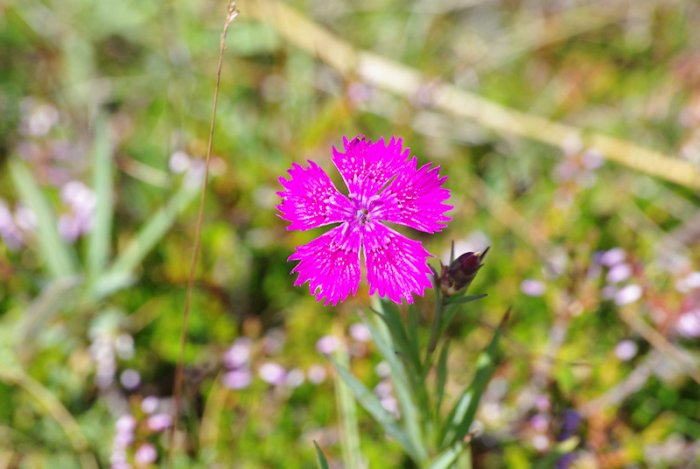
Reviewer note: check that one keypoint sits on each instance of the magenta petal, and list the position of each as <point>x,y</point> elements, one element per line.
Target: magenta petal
<point>414,198</point>
<point>366,167</point>
<point>310,199</point>
<point>396,265</point>
<point>331,264</point>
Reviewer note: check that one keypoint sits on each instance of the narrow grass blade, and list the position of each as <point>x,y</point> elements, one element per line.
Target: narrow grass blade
<point>40,311</point>
<point>456,300</point>
<point>441,378</point>
<point>395,324</point>
<point>349,432</point>
<point>371,404</point>
<point>462,415</point>
<point>322,461</point>
<point>402,387</point>
<point>124,267</point>
<point>57,255</point>
<point>448,458</point>
<point>99,238</point>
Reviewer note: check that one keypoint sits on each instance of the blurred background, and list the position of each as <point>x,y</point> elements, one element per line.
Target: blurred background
<point>570,132</point>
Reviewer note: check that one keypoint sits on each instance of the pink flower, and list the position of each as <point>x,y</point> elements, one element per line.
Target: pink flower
<point>384,184</point>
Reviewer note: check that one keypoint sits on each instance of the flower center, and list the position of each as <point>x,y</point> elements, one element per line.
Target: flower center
<point>362,216</point>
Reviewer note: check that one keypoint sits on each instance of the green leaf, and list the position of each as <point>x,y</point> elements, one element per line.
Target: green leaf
<point>124,267</point>
<point>41,310</point>
<point>561,449</point>
<point>410,352</point>
<point>322,462</point>
<point>441,376</point>
<point>57,255</point>
<point>371,404</point>
<point>99,238</point>
<point>404,394</point>
<point>447,458</point>
<point>462,415</point>
<point>349,431</point>
<point>456,300</point>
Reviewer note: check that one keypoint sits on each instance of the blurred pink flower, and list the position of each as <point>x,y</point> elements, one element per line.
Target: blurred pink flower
<point>238,354</point>
<point>237,379</point>
<point>272,373</point>
<point>628,294</point>
<point>327,344</point>
<point>145,454</point>
<point>384,184</point>
<point>532,287</point>
<point>159,422</point>
<point>626,350</point>
<point>360,332</point>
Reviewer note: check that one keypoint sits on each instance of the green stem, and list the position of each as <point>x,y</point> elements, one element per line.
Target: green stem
<point>435,330</point>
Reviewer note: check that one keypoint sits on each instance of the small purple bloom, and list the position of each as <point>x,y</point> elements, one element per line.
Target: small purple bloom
<point>130,379</point>
<point>532,287</point>
<point>612,257</point>
<point>272,373</point>
<point>238,354</point>
<point>149,404</point>
<point>626,350</point>
<point>237,379</point>
<point>360,332</point>
<point>316,374</point>
<point>384,185</point>
<point>327,344</point>
<point>688,324</point>
<point>539,423</point>
<point>159,422</point>
<point>145,454</point>
<point>619,273</point>
<point>628,294</point>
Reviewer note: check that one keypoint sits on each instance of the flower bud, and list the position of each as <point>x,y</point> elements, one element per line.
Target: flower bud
<point>461,272</point>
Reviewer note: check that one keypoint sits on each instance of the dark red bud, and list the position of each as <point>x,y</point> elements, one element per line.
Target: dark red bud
<point>459,275</point>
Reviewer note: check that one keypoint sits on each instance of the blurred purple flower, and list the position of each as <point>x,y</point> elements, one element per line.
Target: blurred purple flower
<point>38,118</point>
<point>238,354</point>
<point>327,344</point>
<point>626,350</point>
<point>531,287</point>
<point>179,162</point>
<point>688,324</point>
<point>130,379</point>
<point>159,422</point>
<point>272,373</point>
<point>316,374</point>
<point>689,282</point>
<point>124,435</point>
<point>145,454</point>
<point>612,257</point>
<point>9,231</point>
<point>619,273</point>
<point>542,403</point>
<point>539,423</point>
<point>384,185</point>
<point>570,423</point>
<point>150,404</point>
<point>237,379</point>
<point>81,202</point>
<point>628,295</point>
<point>360,332</point>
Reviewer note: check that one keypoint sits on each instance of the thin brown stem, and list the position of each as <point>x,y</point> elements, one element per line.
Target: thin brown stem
<point>232,13</point>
